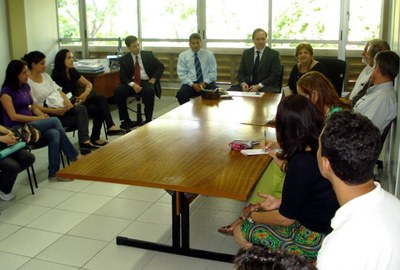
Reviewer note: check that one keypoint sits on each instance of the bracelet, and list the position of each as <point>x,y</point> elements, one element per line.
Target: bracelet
<point>284,166</point>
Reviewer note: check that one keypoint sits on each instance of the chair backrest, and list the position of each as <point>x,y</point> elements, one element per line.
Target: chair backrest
<point>281,79</point>
<point>335,70</point>
<point>386,132</point>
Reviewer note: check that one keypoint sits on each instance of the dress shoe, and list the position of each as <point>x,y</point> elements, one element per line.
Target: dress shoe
<point>100,144</point>
<point>115,133</point>
<point>88,146</point>
<point>127,125</point>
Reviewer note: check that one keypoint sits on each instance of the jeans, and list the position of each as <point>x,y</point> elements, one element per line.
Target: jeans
<point>52,130</point>
<point>11,166</point>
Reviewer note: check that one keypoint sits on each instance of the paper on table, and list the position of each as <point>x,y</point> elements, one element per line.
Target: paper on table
<point>253,152</point>
<point>245,94</point>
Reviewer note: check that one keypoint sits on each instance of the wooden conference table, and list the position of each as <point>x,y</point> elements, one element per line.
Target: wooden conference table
<point>185,151</point>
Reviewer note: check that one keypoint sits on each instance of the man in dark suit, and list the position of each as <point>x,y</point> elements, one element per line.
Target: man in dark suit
<point>140,72</point>
<point>260,67</point>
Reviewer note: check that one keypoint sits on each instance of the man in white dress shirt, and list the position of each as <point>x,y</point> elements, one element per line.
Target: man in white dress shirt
<point>379,103</point>
<point>366,232</point>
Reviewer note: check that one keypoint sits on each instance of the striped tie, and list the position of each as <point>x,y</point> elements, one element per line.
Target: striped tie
<point>199,73</point>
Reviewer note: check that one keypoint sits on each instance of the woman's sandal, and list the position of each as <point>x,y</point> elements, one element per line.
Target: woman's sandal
<point>228,230</point>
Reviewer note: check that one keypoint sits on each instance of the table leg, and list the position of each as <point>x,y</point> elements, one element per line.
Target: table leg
<point>179,202</point>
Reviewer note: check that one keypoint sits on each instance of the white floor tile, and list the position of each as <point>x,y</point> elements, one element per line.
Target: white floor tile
<point>219,266</point>
<point>22,214</point>
<point>123,208</point>
<point>76,185</point>
<point>10,261</point>
<point>174,262</point>
<point>73,251</point>
<point>28,242</point>
<point>101,188</point>
<point>142,194</point>
<point>206,219</point>
<point>48,197</point>
<point>84,203</point>
<point>44,265</point>
<point>157,213</point>
<point>73,225</point>
<point>120,258</point>
<point>222,204</point>
<point>7,229</point>
<point>57,220</point>
<point>100,228</point>
<point>157,233</point>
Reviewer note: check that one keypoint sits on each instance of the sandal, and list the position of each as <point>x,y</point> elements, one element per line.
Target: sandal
<point>227,230</point>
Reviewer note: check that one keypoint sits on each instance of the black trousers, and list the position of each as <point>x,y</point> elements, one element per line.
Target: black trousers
<point>11,165</point>
<point>99,110</point>
<point>186,92</point>
<point>147,94</point>
<point>78,117</point>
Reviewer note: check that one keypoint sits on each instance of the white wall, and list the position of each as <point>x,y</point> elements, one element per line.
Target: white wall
<point>4,46</point>
<point>41,27</point>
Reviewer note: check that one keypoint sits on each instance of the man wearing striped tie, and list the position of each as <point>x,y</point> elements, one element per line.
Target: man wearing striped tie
<point>197,70</point>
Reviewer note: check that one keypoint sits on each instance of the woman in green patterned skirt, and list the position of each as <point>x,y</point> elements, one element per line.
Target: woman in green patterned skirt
<point>299,220</point>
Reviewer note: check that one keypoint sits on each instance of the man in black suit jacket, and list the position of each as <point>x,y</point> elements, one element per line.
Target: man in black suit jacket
<point>266,77</point>
<point>151,70</point>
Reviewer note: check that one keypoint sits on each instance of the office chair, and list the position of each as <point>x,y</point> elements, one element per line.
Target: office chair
<point>385,132</point>
<point>281,78</point>
<point>335,70</point>
<point>138,111</point>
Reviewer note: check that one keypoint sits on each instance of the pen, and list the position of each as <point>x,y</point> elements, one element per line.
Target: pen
<point>265,140</point>
<point>201,87</point>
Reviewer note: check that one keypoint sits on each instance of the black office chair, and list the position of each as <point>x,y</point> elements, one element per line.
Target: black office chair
<point>138,111</point>
<point>335,70</point>
<point>281,78</point>
<point>385,132</point>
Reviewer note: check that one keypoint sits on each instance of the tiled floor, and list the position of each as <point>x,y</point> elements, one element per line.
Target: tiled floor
<point>73,225</point>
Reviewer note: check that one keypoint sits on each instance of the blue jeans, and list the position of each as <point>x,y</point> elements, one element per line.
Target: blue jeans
<point>52,130</point>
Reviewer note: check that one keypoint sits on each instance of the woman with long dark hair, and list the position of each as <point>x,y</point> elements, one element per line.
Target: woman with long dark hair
<point>299,220</point>
<point>18,107</point>
<point>71,81</point>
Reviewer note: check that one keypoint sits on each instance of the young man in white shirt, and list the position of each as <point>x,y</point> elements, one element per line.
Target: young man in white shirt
<point>366,232</point>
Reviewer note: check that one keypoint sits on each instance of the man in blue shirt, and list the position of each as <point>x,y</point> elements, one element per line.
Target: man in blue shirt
<point>197,70</point>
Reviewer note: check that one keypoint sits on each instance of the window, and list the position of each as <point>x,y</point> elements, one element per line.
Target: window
<point>68,22</point>
<point>228,21</point>
<point>107,19</point>
<point>172,20</point>
<point>223,23</point>
<point>301,20</point>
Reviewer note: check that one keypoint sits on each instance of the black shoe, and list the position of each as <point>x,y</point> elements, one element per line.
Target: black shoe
<point>88,146</point>
<point>115,132</point>
<point>85,152</point>
<point>127,125</point>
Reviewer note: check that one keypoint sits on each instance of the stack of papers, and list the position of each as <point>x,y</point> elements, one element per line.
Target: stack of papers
<point>90,66</point>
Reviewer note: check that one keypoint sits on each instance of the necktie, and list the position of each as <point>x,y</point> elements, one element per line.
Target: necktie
<point>361,93</point>
<point>255,68</point>
<point>199,73</point>
<point>136,73</point>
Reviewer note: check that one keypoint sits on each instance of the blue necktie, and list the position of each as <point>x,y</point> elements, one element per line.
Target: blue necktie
<point>199,73</point>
